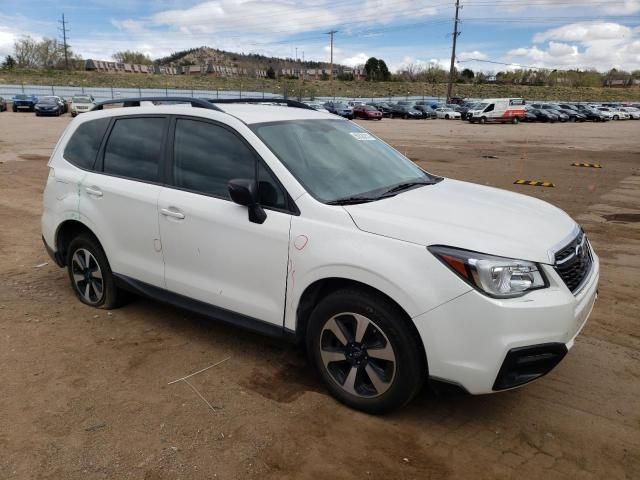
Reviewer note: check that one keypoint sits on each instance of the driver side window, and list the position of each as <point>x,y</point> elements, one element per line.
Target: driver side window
<point>207,156</point>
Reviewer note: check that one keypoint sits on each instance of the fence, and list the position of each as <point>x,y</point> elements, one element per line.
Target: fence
<point>111,93</point>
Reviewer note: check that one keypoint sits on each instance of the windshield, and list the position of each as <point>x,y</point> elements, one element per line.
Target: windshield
<point>47,100</point>
<point>336,159</point>
<point>81,99</point>
<point>21,97</point>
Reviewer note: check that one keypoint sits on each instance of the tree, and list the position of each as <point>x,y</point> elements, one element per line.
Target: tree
<point>467,75</point>
<point>26,52</point>
<point>9,63</point>
<point>131,56</point>
<point>271,73</point>
<point>376,70</point>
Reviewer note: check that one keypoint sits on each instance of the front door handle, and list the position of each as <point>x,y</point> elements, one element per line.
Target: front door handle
<point>172,212</point>
<point>95,191</point>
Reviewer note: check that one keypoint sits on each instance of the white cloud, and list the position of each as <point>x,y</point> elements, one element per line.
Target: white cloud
<point>600,45</point>
<point>356,60</point>
<point>585,32</point>
<point>130,26</point>
<point>7,37</point>
<point>471,55</point>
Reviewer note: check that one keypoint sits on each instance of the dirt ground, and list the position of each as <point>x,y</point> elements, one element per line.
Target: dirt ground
<point>84,394</point>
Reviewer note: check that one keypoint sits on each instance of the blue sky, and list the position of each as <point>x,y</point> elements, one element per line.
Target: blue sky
<point>547,33</point>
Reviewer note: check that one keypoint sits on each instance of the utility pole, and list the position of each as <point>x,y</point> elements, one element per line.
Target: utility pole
<point>64,42</point>
<point>331,34</point>
<point>453,52</point>
<point>296,54</point>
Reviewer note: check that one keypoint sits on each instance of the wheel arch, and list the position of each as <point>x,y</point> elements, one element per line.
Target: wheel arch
<point>319,289</point>
<point>65,233</point>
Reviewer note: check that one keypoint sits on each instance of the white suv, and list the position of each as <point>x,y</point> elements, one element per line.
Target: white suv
<point>303,225</point>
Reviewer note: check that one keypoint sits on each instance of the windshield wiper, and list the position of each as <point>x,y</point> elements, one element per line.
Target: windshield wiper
<point>406,186</point>
<point>352,200</point>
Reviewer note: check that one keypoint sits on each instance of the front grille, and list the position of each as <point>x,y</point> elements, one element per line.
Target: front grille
<point>573,262</point>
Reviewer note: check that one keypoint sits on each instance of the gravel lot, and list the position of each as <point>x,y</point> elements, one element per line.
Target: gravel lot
<point>84,392</point>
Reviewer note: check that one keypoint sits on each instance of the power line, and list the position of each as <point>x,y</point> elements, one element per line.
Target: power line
<point>453,51</point>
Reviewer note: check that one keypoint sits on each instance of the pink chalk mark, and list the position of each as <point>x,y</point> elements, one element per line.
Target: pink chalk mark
<point>300,242</point>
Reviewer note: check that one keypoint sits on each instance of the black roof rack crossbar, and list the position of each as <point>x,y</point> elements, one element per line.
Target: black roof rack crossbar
<point>135,102</point>
<point>284,101</point>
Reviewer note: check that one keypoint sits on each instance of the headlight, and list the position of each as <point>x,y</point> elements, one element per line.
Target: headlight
<point>496,277</point>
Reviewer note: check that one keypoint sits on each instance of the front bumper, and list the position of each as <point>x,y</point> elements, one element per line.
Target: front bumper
<point>485,344</point>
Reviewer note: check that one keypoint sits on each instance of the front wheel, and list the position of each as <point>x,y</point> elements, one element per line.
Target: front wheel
<point>367,355</point>
<point>90,274</point>
<point>483,120</point>
<point>616,117</point>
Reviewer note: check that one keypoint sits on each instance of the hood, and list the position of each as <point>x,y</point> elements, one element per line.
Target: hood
<point>469,216</point>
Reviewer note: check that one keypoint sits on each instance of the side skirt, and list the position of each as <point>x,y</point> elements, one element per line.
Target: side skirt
<point>205,309</point>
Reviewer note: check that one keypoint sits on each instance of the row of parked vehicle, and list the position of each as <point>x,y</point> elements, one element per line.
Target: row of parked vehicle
<point>49,104</point>
<point>504,110</point>
<point>379,110</point>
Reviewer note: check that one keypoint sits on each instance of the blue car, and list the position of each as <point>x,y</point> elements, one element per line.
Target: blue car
<point>24,102</point>
<point>339,108</point>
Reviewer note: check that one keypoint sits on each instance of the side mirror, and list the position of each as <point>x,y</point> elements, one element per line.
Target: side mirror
<point>245,192</point>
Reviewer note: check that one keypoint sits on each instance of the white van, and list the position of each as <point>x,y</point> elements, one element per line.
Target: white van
<point>498,110</point>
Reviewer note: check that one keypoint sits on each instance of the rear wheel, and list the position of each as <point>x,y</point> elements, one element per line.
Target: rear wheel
<point>367,355</point>
<point>90,274</point>
<point>515,120</point>
<point>616,117</point>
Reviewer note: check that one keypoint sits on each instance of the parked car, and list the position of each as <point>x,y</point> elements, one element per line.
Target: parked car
<point>529,117</point>
<point>3,105</point>
<point>562,117</point>
<point>382,107</point>
<point>608,114</point>
<point>447,113</point>
<point>615,113</point>
<point>427,112</point>
<point>545,116</point>
<point>634,113</point>
<point>367,112</point>
<point>50,105</point>
<point>339,108</point>
<point>404,111</point>
<point>590,113</point>
<point>317,106</point>
<point>24,102</point>
<point>574,115</point>
<point>236,198</point>
<point>81,104</point>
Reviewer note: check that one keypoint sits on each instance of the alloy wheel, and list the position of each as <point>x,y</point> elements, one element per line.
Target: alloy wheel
<point>87,276</point>
<point>357,355</point>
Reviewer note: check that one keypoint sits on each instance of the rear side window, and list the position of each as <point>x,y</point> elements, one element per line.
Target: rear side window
<point>85,142</point>
<point>207,156</point>
<point>134,148</point>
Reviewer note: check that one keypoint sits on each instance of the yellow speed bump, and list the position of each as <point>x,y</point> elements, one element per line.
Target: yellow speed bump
<point>533,183</point>
<point>589,165</point>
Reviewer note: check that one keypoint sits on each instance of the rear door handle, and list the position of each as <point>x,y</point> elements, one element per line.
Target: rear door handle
<point>172,212</point>
<point>95,191</point>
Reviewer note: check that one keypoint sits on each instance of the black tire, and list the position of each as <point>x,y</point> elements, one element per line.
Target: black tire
<point>446,117</point>
<point>387,327</point>
<point>405,116</point>
<point>572,119</point>
<point>616,117</point>
<point>483,120</point>
<point>15,109</point>
<point>515,120</point>
<point>111,297</point>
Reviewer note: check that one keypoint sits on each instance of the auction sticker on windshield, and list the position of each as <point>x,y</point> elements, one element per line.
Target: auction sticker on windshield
<point>362,136</point>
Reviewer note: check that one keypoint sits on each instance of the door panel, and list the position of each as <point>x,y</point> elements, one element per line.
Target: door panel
<point>121,198</point>
<point>125,215</point>
<point>215,255</point>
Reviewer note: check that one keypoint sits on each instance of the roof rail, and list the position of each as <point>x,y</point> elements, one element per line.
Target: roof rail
<point>135,102</point>
<point>284,101</point>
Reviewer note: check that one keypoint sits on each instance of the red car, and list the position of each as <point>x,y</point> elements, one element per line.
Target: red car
<point>367,112</point>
